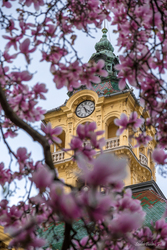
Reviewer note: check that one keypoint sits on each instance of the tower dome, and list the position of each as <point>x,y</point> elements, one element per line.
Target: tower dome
<point>104,43</point>
<point>104,51</point>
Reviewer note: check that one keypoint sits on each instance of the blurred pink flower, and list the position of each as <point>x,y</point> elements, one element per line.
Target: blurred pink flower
<point>142,139</point>
<point>99,68</point>
<point>123,122</point>
<point>42,177</point>
<point>24,49</point>
<point>159,156</point>
<point>7,4</point>
<point>125,222</point>
<point>37,3</point>
<point>50,133</point>
<point>132,122</point>
<point>107,169</point>
<point>135,122</point>
<point>12,41</point>
<point>22,155</point>
<point>8,58</point>
<point>40,88</point>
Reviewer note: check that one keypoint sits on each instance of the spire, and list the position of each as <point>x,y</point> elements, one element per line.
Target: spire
<point>104,50</point>
<point>104,43</point>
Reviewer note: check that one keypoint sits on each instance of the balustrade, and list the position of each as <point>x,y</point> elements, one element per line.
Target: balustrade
<point>112,142</point>
<point>143,159</point>
<point>58,156</point>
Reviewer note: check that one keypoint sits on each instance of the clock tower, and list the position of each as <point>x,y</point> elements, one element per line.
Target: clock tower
<point>102,104</point>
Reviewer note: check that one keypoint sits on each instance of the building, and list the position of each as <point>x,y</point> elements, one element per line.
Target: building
<point>105,103</point>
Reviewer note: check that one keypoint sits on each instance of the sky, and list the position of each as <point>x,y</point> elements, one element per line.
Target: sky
<point>85,46</point>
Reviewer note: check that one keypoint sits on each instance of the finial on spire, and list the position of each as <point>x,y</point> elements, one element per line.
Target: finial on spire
<point>104,30</point>
<point>104,24</point>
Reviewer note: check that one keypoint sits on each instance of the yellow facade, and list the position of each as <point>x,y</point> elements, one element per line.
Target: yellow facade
<point>4,239</point>
<point>140,167</point>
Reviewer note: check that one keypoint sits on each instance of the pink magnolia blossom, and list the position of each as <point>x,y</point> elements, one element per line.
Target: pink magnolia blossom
<point>76,144</point>
<point>11,26</point>
<point>39,89</point>
<point>51,30</point>
<point>126,222</point>
<point>123,122</point>
<point>22,155</point>
<point>75,75</point>
<point>10,133</point>
<point>23,158</point>
<point>50,133</point>
<point>42,177</point>
<point>133,122</point>
<point>24,49</point>
<point>12,41</point>
<point>7,4</point>
<point>36,3</point>
<point>83,242</point>
<point>69,207</point>
<point>5,175</point>
<point>64,204</point>
<point>99,68</point>
<point>96,205</point>
<point>21,76</point>
<point>159,156</point>
<point>128,203</point>
<point>25,238</point>
<point>86,141</point>
<point>11,217</point>
<point>9,58</point>
<point>106,170</point>
<point>55,55</point>
<point>142,139</point>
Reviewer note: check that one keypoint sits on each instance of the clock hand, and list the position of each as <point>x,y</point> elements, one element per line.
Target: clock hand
<point>85,109</point>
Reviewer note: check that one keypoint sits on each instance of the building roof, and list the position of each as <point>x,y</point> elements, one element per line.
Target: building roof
<point>147,185</point>
<point>55,234</point>
<point>153,204</point>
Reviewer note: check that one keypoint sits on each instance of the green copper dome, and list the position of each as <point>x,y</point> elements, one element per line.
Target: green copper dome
<point>109,84</point>
<point>104,44</point>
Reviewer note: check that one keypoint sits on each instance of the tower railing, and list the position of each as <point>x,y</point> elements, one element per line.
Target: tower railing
<point>143,159</point>
<point>58,156</point>
<point>112,142</point>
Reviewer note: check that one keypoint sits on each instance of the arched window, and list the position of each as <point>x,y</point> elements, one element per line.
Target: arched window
<point>111,130</point>
<point>60,146</point>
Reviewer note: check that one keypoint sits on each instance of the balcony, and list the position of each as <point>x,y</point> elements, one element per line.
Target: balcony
<point>143,159</point>
<point>58,156</point>
<point>112,143</point>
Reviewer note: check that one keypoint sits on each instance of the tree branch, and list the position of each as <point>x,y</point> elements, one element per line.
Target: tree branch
<point>27,128</point>
<point>67,237</point>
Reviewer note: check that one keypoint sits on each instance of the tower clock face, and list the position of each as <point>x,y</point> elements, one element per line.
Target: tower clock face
<point>85,109</point>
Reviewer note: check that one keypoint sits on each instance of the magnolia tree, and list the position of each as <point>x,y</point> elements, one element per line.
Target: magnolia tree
<point>50,27</point>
